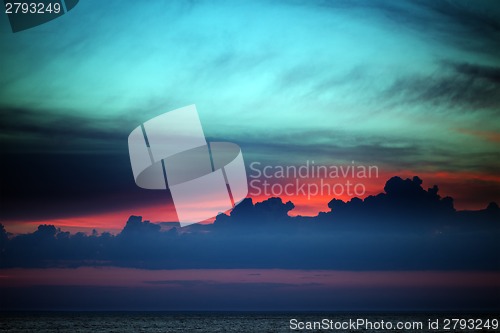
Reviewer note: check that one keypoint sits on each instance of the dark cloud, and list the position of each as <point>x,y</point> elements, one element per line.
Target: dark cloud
<point>54,185</point>
<point>29,130</point>
<point>471,26</point>
<point>477,72</point>
<point>56,165</point>
<point>387,151</point>
<point>462,86</point>
<point>335,145</point>
<point>468,26</point>
<point>404,228</point>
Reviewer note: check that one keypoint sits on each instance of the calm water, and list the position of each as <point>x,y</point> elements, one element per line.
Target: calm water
<point>124,322</point>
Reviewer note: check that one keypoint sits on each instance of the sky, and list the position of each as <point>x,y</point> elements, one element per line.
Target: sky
<point>412,87</point>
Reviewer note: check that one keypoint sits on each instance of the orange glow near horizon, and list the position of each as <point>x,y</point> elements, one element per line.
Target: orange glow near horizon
<point>489,136</point>
<point>450,184</point>
<point>104,222</point>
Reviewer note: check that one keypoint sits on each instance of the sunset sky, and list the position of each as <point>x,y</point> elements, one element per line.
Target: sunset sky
<point>411,87</point>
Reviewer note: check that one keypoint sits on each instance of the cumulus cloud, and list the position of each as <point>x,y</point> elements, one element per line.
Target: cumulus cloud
<point>403,228</point>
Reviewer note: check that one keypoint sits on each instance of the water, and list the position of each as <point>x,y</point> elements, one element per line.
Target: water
<point>125,322</point>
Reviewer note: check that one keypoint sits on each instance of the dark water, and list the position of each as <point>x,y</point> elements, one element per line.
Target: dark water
<point>234,322</point>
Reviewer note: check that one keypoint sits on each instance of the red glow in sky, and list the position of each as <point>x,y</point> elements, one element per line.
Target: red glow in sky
<point>468,190</point>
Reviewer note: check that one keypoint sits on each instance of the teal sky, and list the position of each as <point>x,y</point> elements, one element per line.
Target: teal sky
<point>406,85</point>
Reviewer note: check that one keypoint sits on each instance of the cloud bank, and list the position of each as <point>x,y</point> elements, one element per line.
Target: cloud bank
<point>404,228</point>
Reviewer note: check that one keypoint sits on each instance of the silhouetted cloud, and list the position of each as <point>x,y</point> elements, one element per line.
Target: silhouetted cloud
<point>404,228</point>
